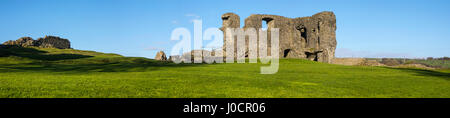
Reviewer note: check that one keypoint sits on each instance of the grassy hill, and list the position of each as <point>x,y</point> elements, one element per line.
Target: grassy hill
<point>63,73</point>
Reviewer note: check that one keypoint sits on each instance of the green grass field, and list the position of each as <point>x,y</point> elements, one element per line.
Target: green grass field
<point>55,73</point>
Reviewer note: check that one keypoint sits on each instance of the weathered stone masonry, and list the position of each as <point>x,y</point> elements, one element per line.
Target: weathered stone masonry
<point>46,42</point>
<point>312,38</point>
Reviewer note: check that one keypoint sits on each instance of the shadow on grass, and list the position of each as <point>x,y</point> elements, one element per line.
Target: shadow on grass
<point>35,54</point>
<point>423,72</point>
<point>65,62</point>
<point>84,68</point>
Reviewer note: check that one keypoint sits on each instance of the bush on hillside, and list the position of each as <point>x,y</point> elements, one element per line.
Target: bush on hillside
<point>390,62</point>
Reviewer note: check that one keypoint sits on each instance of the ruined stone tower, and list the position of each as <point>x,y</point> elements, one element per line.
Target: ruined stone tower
<point>312,38</point>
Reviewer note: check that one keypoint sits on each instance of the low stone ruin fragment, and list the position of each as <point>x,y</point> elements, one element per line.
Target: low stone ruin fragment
<point>161,56</point>
<point>46,42</point>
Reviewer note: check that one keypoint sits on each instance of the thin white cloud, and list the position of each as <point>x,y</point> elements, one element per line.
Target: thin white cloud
<point>193,15</point>
<point>174,22</point>
<point>155,48</point>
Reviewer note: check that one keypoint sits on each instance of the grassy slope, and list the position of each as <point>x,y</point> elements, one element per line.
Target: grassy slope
<point>74,73</point>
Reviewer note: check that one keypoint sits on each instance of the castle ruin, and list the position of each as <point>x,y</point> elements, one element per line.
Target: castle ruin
<point>312,38</point>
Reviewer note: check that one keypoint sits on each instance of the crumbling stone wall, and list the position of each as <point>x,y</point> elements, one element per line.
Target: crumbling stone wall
<point>46,42</point>
<point>161,56</point>
<point>349,61</point>
<point>312,38</point>
<point>229,20</point>
<point>53,42</point>
<point>23,41</point>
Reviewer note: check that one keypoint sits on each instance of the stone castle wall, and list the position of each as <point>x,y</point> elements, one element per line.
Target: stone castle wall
<point>312,38</point>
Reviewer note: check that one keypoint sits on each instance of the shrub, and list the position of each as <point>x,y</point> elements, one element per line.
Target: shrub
<point>390,62</point>
<point>446,58</point>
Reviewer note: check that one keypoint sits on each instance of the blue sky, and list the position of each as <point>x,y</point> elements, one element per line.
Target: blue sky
<point>365,28</point>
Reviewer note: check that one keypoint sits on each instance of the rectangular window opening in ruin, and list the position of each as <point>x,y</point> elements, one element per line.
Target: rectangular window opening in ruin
<point>264,25</point>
